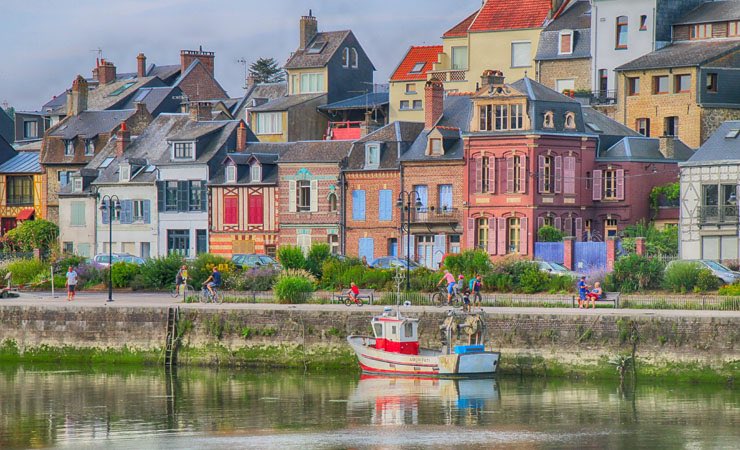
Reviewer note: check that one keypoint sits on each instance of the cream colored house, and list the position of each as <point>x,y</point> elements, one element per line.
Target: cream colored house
<point>406,87</point>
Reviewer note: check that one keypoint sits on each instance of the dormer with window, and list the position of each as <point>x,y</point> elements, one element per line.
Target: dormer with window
<point>69,147</point>
<point>255,173</point>
<point>124,172</point>
<point>182,151</point>
<point>231,173</point>
<point>549,120</point>
<point>89,147</point>
<point>570,120</point>
<point>565,42</point>
<point>76,183</point>
<point>440,139</point>
<point>372,155</point>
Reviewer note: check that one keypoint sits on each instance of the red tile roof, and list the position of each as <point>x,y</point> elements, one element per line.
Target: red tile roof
<point>426,54</point>
<point>461,29</point>
<point>498,15</point>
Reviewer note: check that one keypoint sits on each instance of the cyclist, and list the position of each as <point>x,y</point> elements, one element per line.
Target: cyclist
<point>213,281</point>
<point>354,292</point>
<point>450,279</point>
<point>181,279</point>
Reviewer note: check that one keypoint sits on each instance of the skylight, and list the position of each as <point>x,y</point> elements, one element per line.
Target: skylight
<point>316,47</point>
<point>150,168</point>
<point>122,88</point>
<point>106,162</point>
<point>142,94</point>
<point>732,134</point>
<point>418,67</point>
<point>594,127</point>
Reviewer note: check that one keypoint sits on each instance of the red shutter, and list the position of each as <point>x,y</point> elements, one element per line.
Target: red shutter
<point>523,236</point>
<point>474,177</point>
<point>256,209</point>
<point>471,234</point>
<point>558,174</point>
<point>492,174</point>
<point>522,174</point>
<point>568,228</point>
<point>510,175</point>
<point>231,210</point>
<point>596,185</point>
<point>569,182</point>
<point>501,238</point>
<point>620,184</point>
<point>558,223</point>
<point>492,244</point>
<point>541,174</point>
<point>579,229</point>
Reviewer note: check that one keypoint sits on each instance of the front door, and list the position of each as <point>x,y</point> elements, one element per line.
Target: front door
<point>425,250</point>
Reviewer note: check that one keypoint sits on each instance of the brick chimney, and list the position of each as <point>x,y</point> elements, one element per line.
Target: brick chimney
<point>200,111</point>
<point>251,81</point>
<point>77,97</point>
<point>123,138</point>
<point>105,72</point>
<point>188,56</point>
<point>492,78</point>
<point>241,137</point>
<point>434,96</point>
<point>667,146</point>
<point>140,65</point>
<point>308,29</point>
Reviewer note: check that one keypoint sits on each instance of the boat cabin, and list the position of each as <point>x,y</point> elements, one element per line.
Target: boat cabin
<point>396,334</point>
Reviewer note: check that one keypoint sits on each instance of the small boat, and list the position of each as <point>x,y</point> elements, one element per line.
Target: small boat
<point>395,347</point>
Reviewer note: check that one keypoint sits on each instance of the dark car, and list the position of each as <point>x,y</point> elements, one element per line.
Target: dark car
<point>252,260</point>
<point>391,262</point>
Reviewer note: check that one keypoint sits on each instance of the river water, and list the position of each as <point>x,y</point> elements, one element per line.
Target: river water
<point>149,408</point>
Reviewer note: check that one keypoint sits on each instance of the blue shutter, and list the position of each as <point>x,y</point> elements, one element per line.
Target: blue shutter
<point>358,205</point>
<point>160,196</point>
<point>385,202</point>
<point>127,211</point>
<point>147,211</point>
<point>106,212</point>
<point>366,249</point>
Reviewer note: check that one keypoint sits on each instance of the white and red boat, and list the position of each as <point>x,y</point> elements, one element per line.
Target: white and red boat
<point>395,348</point>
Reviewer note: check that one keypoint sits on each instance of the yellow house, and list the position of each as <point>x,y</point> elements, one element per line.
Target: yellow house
<point>406,85</point>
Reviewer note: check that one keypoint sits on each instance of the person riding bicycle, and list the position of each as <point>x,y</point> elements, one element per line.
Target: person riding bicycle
<point>450,279</point>
<point>354,292</point>
<point>213,281</point>
<point>181,279</point>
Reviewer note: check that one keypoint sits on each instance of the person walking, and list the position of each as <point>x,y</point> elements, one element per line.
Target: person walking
<point>71,283</point>
<point>475,285</point>
<point>181,280</point>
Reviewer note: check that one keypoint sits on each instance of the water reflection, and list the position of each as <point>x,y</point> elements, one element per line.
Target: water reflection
<point>152,408</point>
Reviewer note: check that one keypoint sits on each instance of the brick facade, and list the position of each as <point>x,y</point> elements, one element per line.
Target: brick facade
<point>382,232</point>
<point>199,84</point>
<point>578,70</point>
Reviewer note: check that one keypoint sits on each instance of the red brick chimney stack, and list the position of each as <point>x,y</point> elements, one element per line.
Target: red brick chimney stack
<point>77,97</point>
<point>106,72</point>
<point>241,137</point>
<point>309,27</point>
<point>140,65</point>
<point>123,137</point>
<point>434,96</point>
<point>200,111</point>
<point>206,58</point>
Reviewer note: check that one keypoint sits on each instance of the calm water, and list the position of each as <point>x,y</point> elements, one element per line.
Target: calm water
<point>208,409</point>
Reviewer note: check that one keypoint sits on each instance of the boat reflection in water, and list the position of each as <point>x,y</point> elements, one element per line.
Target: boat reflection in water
<point>402,400</point>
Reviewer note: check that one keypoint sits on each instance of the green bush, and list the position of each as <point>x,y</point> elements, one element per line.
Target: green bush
<point>497,282</point>
<point>43,281</point>
<point>730,289</point>
<point>706,281</point>
<point>292,289</point>
<point>202,267</point>
<point>468,263</point>
<point>160,273</point>
<point>316,257</point>
<point>657,242</point>
<point>380,279</point>
<point>32,234</point>
<point>62,264</point>
<point>337,274</point>
<point>24,270</point>
<point>532,280</point>
<point>636,273</point>
<point>549,234</point>
<point>255,279</point>
<point>123,273</point>
<point>561,283</point>
<point>291,257</point>
<point>423,280</point>
<point>681,276</point>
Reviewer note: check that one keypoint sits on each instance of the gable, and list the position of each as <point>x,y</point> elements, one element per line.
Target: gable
<point>198,84</point>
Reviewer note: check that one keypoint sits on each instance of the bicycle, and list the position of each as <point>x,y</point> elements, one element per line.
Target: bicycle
<point>349,301</point>
<point>206,296</point>
<point>439,299</point>
<point>183,289</point>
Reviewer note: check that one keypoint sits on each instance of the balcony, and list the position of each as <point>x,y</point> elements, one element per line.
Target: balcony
<point>718,215</point>
<point>446,75</point>
<point>435,215</point>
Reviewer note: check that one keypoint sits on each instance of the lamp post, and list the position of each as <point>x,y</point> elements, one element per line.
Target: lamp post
<point>110,203</point>
<point>409,196</point>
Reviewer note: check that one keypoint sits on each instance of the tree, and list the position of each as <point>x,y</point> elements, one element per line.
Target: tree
<point>32,234</point>
<point>266,70</point>
<point>549,234</point>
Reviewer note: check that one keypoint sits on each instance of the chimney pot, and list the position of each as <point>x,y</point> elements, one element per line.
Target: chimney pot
<point>141,65</point>
<point>434,94</point>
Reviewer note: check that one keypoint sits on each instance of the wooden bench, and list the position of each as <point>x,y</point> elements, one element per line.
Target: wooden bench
<point>608,297</point>
<point>365,294</point>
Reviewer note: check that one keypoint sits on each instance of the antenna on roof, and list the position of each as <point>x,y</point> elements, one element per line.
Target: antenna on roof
<point>243,62</point>
<point>99,51</point>
<point>310,13</point>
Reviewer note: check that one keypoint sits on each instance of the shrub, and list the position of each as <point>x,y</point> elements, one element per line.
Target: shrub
<point>681,276</point>
<point>549,234</point>
<point>381,279</point>
<point>337,274</point>
<point>497,282</point>
<point>25,270</point>
<point>468,263</point>
<point>88,274</point>
<point>293,289</point>
<point>636,273</point>
<point>291,257</point>
<point>532,280</point>
<point>256,279</point>
<point>160,273</point>
<point>32,234</point>
<point>122,273</point>
<point>202,267</point>
<point>730,289</point>
<point>561,283</point>
<point>422,279</point>
<point>706,281</point>
<point>62,264</point>
<point>316,257</point>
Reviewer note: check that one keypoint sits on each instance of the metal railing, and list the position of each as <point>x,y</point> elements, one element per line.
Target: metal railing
<point>727,214</point>
<point>435,215</point>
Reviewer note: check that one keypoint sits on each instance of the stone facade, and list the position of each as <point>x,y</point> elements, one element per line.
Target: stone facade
<point>712,118</point>
<point>578,70</point>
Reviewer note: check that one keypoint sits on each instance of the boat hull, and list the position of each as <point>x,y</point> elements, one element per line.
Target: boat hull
<point>427,363</point>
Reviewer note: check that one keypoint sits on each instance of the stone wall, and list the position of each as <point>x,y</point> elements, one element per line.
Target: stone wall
<point>579,70</point>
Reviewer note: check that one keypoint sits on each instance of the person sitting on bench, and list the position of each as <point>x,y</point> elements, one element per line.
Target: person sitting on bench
<point>594,295</point>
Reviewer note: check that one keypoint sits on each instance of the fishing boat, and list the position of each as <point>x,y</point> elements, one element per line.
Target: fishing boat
<point>394,348</point>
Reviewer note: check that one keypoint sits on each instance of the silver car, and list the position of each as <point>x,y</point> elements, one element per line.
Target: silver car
<point>554,268</point>
<point>722,273</point>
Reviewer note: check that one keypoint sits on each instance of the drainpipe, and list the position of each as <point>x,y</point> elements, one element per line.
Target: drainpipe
<point>343,214</point>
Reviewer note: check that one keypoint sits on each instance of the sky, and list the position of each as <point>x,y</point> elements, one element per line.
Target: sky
<point>46,43</point>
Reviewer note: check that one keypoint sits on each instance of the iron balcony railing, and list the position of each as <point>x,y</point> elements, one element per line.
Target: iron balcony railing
<point>725,214</point>
<point>435,215</point>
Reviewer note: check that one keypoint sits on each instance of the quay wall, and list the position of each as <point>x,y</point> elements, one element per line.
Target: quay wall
<point>557,343</point>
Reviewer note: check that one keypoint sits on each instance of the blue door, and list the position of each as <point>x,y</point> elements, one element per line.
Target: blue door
<point>366,249</point>
<point>393,247</point>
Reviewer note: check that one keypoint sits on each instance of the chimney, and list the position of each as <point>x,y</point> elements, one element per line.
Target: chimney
<point>200,111</point>
<point>308,29</point>
<point>188,56</point>
<point>123,138</point>
<point>434,96</point>
<point>667,146</point>
<point>106,72</point>
<point>367,125</point>
<point>77,97</point>
<point>140,65</point>
<point>241,137</point>
<point>492,78</point>
<point>251,81</point>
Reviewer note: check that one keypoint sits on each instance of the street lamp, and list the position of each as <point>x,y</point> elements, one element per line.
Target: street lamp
<point>105,205</point>
<point>409,197</point>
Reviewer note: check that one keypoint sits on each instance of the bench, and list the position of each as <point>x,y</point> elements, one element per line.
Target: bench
<point>608,297</point>
<point>365,294</point>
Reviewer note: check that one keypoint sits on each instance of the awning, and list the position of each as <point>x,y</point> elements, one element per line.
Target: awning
<point>25,214</point>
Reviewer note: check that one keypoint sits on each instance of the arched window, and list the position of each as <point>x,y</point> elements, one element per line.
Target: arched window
<point>353,60</point>
<point>333,207</point>
<point>513,235</point>
<point>548,122</point>
<point>345,57</point>
<point>481,233</point>
<point>570,120</point>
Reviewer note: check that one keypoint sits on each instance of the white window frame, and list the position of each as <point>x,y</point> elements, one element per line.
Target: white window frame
<point>69,147</point>
<point>418,67</point>
<point>303,196</point>
<point>560,42</point>
<point>137,218</point>
<point>231,173</point>
<point>312,83</point>
<point>516,44</point>
<point>372,155</point>
<point>345,57</point>
<point>269,123</point>
<point>405,105</point>
<point>77,186</point>
<point>354,58</point>
<point>417,108</point>
<point>34,132</point>
<point>255,173</point>
<point>463,49</point>
<point>89,147</point>
<point>187,148</point>
<point>124,171</point>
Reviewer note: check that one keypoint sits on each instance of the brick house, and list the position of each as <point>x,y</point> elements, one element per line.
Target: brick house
<point>688,88</point>
<point>373,182</point>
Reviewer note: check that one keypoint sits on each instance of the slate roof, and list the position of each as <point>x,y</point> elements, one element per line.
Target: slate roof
<point>642,149</point>
<point>605,124</point>
<point>287,102</point>
<point>89,124</point>
<point>163,72</point>
<point>683,54</point>
<point>315,152</point>
<point>498,15</point>
<point>576,18</point>
<point>268,162</point>
<point>426,54</point>
<point>23,162</point>
<point>395,138</point>
<point>718,149</point>
<point>536,91</point>
<point>192,67</point>
<point>153,98</point>
<point>712,11</point>
<point>364,101</point>
<point>458,110</point>
<point>6,150</point>
<point>302,59</point>
<point>461,29</point>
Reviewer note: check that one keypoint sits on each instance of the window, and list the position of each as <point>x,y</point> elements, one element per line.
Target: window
<point>411,88</point>
<point>316,47</point>
<point>77,184</point>
<point>106,162</point>
<point>681,83</point>
<point>566,43</point>
<point>197,200</point>
<point>549,121</point>
<point>459,58</point>
<point>643,23</point>
<point>633,86</point>
<point>567,84</point>
<point>256,209</point>
<point>122,88</point>
<point>183,150</point>
<point>333,241</point>
<point>312,83</point>
<point>435,146</point>
<point>712,82</point>
<point>417,105</point>
<point>660,84</point>
<point>521,54</point>
<point>255,173</point>
<point>445,197</point>
<point>643,127</point>
<point>295,86</point>
<point>124,172</point>
<point>454,243</point>
<point>670,127</point>
<point>610,227</point>
<point>68,248</point>
<point>517,171</point>
<point>19,191</point>
<point>701,31</point>
<point>63,177</point>
<point>501,117</point>
<point>548,221</point>
<point>231,173</point>
<point>517,117</point>
<point>404,105</point>
<point>481,233</point>
<point>734,28</point>
<point>69,147</point>
<point>201,242</point>
<point>603,82</point>
<point>30,129</point>
<point>89,147</point>
<point>622,32</point>
<point>548,175</point>
<point>485,174</point>
<point>353,59</point>
<point>345,57</point>
<point>570,120</point>
<point>77,218</point>
<point>333,202</point>
<point>358,204</point>
<point>418,67</point>
<point>372,155</point>
<point>170,196</point>
<point>231,210</point>
<point>513,235</point>
<point>270,123</point>
<point>117,210</point>
<point>137,207</point>
<point>303,188</point>
<point>178,242</point>
<point>610,184</point>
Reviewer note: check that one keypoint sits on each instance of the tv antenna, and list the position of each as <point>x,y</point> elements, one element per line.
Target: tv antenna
<point>99,51</point>
<point>243,61</point>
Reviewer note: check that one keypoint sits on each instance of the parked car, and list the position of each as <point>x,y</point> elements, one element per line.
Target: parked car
<point>554,268</point>
<point>724,274</point>
<point>103,259</point>
<point>252,260</point>
<point>391,262</point>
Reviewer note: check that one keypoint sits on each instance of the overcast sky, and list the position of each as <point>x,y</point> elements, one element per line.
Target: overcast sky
<point>46,43</point>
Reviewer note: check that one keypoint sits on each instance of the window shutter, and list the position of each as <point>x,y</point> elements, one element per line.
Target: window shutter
<point>385,210</point>
<point>579,229</point>
<point>160,196</point>
<point>147,211</point>
<point>568,228</point>
<point>492,244</point>
<point>477,176</point>
<point>440,246</point>
<point>204,197</point>
<point>470,241</point>
<point>411,248</point>
<point>492,175</point>
<point>510,175</point>
<point>541,174</point>
<point>558,223</point>
<point>182,196</point>
<point>126,212</point>
<point>620,184</point>
<point>523,236</point>
<point>540,222</point>
<point>596,185</point>
<point>569,183</point>
<point>314,195</point>
<point>231,210</point>
<point>522,174</point>
<point>256,209</point>
<point>501,238</point>
<point>106,212</point>
<point>558,174</point>
<point>358,204</point>
<point>292,196</point>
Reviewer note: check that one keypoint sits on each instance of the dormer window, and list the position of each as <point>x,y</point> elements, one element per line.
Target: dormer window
<point>69,147</point>
<point>501,117</point>
<point>435,147</point>
<point>231,173</point>
<point>89,147</point>
<point>255,173</point>
<point>372,155</point>
<point>570,120</point>
<point>124,172</point>
<point>549,120</point>
<point>183,151</point>
<point>565,46</point>
<point>77,184</point>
